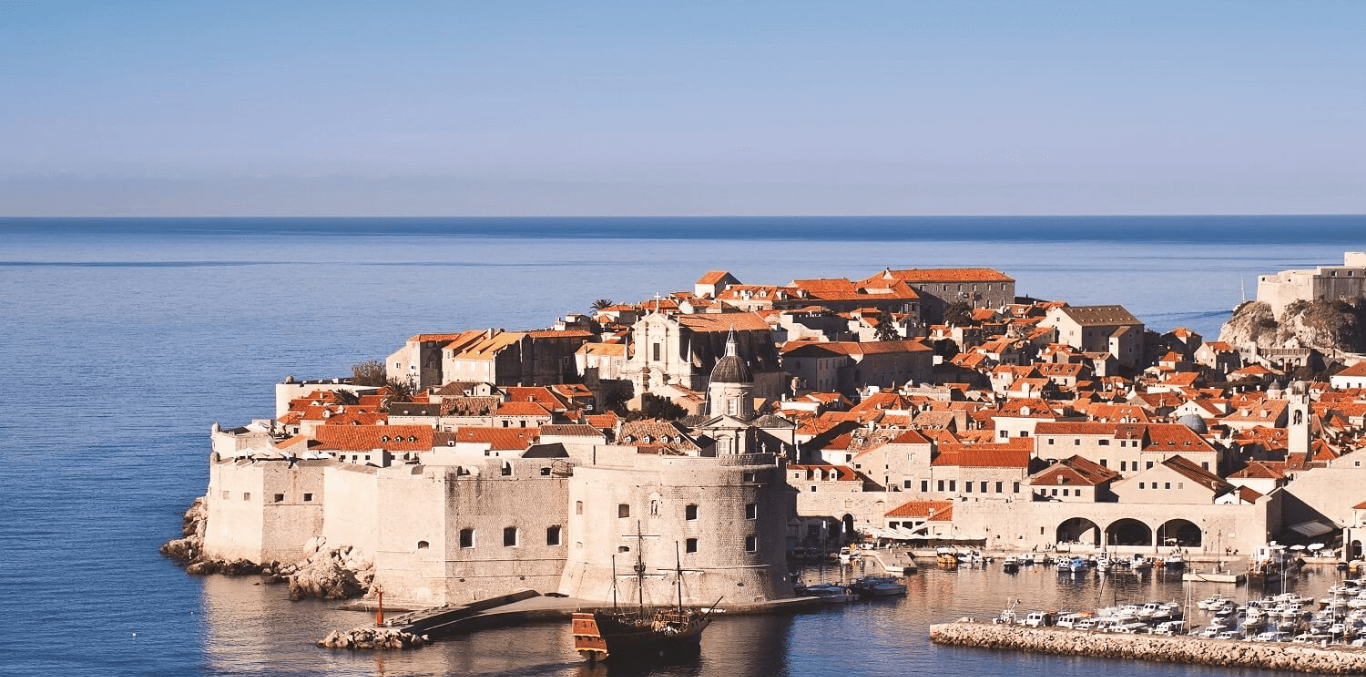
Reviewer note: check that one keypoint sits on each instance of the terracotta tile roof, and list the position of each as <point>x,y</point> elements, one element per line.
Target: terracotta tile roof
<point>712,277</point>
<point>1257,470</point>
<point>1100,316</point>
<point>368,437</point>
<point>609,349</point>
<point>723,322</point>
<point>835,473</point>
<point>938,511</point>
<point>1007,455</point>
<point>1195,473</point>
<point>521,409</point>
<point>946,275</point>
<point>1358,369</point>
<point>571,430</point>
<point>499,439</point>
<point>606,421</point>
<point>1075,470</point>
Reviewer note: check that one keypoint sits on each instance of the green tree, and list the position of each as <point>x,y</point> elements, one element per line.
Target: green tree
<point>603,303</point>
<point>886,327</point>
<point>654,406</point>
<point>958,314</point>
<point>368,373</point>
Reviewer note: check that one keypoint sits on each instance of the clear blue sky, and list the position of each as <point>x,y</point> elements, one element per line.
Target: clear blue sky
<point>682,107</point>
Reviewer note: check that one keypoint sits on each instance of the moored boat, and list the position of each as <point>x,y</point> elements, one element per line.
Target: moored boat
<point>617,632</point>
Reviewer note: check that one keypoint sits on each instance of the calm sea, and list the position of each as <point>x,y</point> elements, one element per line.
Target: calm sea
<point>123,340</point>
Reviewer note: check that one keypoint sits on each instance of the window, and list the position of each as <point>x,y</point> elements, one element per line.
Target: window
<point>1055,492</point>
<point>984,487</point>
<point>578,507</point>
<point>423,545</point>
<point>552,535</point>
<point>924,485</point>
<point>941,485</point>
<point>308,498</point>
<point>510,537</point>
<point>467,538</point>
<point>507,469</point>
<point>967,487</point>
<point>623,510</point>
<point>246,496</point>
<point>690,545</point>
<point>655,351</point>
<point>279,498</point>
<point>1105,443</point>
<point>1205,464</point>
<point>690,513</point>
<point>1050,440</point>
<point>751,544</point>
<point>1140,485</point>
<point>1123,466</point>
<point>1015,487</point>
<point>1150,464</point>
<point>1168,485</point>
<point>953,485</point>
<point>545,472</point>
<point>999,487</point>
<point>749,477</point>
<point>905,484</point>
<point>1104,462</point>
<point>1076,442</point>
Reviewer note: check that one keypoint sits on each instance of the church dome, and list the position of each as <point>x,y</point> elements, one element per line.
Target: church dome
<point>1194,422</point>
<point>731,369</point>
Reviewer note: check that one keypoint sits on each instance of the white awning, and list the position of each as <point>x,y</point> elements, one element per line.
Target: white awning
<point>1312,529</point>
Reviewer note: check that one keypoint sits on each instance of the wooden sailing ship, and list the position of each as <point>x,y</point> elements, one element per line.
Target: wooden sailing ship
<point>622,633</point>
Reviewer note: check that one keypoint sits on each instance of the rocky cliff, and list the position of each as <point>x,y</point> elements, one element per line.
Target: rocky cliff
<point>1325,326</point>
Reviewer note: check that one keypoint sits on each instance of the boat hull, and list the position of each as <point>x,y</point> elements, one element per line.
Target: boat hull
<point>600,636</point>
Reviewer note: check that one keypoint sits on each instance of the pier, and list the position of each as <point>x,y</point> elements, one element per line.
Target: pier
<point>1337,660</point>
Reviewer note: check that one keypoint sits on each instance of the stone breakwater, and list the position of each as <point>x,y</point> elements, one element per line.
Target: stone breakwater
<point>1196,650</point>
<point>372,638</point>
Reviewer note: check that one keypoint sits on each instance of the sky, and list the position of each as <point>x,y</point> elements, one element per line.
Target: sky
<point>644,107</point>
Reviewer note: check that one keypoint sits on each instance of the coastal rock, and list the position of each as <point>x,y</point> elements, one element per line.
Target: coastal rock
<point>1325,326</point>
<point>186,549</point>
<point>328,575</point>
<point>373,639</point>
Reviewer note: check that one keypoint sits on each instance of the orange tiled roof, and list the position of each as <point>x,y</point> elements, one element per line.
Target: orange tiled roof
<point>937,510</point>
<point>367,437</point>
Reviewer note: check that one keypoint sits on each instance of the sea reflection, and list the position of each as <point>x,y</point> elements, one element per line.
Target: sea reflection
<point>254,629</point>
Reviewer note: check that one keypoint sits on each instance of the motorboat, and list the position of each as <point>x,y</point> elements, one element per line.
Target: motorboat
<point>1010,565</point>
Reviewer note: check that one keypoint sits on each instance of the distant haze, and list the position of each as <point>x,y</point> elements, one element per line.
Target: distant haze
<point>682,108</point>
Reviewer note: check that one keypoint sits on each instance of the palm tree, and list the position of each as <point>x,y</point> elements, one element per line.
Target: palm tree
<point>601,304</point>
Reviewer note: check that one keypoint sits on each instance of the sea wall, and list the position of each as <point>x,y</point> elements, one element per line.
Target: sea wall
<point>1225,653</point>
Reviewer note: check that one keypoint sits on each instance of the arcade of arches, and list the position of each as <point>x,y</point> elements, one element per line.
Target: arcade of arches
<point>1130,532</point>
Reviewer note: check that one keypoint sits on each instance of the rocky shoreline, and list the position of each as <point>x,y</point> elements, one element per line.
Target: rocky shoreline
<point>328,573</point>
<point>1189,650</point>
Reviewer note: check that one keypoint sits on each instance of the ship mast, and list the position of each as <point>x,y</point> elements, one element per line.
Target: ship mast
<point>678,574</point>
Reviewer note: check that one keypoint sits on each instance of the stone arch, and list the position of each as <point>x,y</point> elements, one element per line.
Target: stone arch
<point>847,526</point>
<point>1180,532</point>
<point>1078,530</point>
<point>1128,531</point>
<point>1354,550</point>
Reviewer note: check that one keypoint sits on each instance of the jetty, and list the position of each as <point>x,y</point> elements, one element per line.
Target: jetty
<point>1338,660</point>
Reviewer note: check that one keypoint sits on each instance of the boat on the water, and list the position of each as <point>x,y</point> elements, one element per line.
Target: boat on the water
<point>1010,565</point>
<point>623,633</point>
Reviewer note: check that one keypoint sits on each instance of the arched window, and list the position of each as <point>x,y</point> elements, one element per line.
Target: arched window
<point>423,545</point>
<point>552,535</point>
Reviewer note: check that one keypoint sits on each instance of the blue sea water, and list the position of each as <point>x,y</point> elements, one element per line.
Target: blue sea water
<point>123,340</point>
